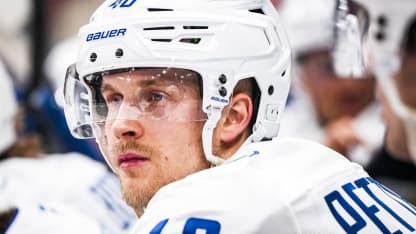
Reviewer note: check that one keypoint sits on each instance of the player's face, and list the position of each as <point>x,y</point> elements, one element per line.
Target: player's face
<point>153,149</point>
<point>332,96</point>
<point>406,77</point>
<point>406,80</point>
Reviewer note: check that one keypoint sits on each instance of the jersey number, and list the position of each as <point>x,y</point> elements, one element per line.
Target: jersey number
<point>191,226</point>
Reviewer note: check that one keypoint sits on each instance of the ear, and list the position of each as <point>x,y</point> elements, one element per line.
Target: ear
<point>236,118</point>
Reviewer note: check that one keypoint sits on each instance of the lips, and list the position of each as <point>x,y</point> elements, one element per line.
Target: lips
<point>128,160</point>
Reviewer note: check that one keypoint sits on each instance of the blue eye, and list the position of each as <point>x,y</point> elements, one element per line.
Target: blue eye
<point>115,99</point>
<point>152,100</point>
<point>157,97</point>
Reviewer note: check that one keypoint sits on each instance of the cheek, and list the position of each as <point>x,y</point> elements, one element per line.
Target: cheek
<point>407,92</point>
<point>181,143</point>
<point>178,132</point>
<point>107,132</point>
<point>322,92</point>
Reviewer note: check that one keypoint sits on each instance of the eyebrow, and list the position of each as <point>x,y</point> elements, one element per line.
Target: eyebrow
<point>107,87</point>
<point>157,80</point>
<point>141,83</point>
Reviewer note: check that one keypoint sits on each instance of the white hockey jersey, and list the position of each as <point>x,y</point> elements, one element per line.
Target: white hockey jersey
<point>72,180</point>
<point>51,218</point>
<point>280,186</point>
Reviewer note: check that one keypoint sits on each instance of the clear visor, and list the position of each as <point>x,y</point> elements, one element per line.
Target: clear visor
<point>351,27</point>
<point>138,94</point>
<point>77,110</point>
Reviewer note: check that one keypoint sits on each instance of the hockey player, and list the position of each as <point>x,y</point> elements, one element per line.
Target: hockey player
<point>338,112</point>
<point>81,184</point>
<point>184,99</point>
<point>391,55</point>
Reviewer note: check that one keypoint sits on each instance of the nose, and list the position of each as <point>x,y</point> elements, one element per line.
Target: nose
<point>127,129</point>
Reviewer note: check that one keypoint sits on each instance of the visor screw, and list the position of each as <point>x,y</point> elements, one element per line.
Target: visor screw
<point>270,90</point>
<point>93,57</point>
<point>223,91</point>
<point>119,53</point>
<point>382,20</point>
<point>222,79</point>
<point>380,36</point>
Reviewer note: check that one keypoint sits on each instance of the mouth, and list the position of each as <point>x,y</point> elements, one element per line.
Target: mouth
<point>129,160</point>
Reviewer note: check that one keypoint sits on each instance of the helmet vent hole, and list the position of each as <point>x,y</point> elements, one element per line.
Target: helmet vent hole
<point>119,53</point>
<point>158,9</point>
<point>93,57</point>
<point>195,27</point>
<point>283,73</point>
<point>161,40</point>
<point>270,90</point>
<point>382,21</point>
<point>380,36</point>
<point>159,28</point>
<point>258,11</point>
<point>190,40</point>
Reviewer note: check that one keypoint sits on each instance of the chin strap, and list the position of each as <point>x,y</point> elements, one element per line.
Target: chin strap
<point>407,115</point>
<point>208,134</point>
<point>410,127</point>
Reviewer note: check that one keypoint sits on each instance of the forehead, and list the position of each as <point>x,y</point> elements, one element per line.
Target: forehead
<point>153,76</point>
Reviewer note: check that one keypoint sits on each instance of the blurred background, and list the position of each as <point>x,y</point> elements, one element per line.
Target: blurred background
<point>36,46</point>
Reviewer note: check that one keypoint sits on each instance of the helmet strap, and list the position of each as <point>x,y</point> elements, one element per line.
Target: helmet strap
<point>208,133</point>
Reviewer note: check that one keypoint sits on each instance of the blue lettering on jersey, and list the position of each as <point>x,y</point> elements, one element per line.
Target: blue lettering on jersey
<point>106,34</point>
<point>122,3</point>
<point>370,210</point>
<point>394,196</point>
<point>192,225</point>
<point>159,227</point>
<point>359,221</point>
<point>254,153</point>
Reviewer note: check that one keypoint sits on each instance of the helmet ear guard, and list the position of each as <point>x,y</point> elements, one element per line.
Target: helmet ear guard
<point>226,42</point>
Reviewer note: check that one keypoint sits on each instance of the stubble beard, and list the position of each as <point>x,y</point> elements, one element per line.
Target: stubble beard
<point>137,191</point>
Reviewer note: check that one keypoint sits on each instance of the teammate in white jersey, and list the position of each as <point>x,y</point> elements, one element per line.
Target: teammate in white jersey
<point>46,219</point>
<point>339,112</point>
<point>185,97</point>
<point>83,186</point>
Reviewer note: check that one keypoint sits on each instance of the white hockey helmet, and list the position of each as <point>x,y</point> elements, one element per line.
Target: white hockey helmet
<point>308,24</point>
<point>9,110</point>
<point>221,41</point>
<point>389,25</point>
<point>316,32</point>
